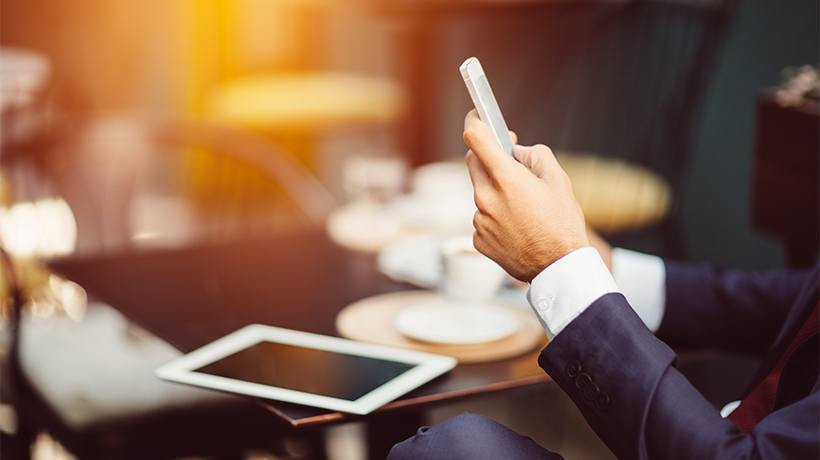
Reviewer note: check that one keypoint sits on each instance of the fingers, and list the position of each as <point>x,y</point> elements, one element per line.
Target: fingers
<point>483,189</point>
<point>480,234</point>
<point>514,137</point>
<point>480,139</point>
<point>538,158</point>
<point>478,175</point>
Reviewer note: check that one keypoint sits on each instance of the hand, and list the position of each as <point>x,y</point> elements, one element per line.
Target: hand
<point>527,215</point>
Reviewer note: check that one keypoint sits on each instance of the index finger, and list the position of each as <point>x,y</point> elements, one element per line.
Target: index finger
<point>481,140</point>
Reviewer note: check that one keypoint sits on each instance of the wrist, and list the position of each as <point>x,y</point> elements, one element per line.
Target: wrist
<point>549,253</point>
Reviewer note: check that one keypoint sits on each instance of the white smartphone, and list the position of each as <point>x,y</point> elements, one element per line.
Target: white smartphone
<point>484,101</point>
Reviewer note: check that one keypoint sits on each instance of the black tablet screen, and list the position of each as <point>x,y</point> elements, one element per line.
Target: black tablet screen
<point>326,373</point>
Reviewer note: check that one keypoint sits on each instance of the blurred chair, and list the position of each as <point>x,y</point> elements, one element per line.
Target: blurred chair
<point>628,87</point>
<point>90,384</point>
<point>128,182</point>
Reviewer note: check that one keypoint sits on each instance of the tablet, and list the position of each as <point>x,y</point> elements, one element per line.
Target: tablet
<point>303,368</point>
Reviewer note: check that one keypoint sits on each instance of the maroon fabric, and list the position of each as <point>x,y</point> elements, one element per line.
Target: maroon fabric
<point>760,401</point>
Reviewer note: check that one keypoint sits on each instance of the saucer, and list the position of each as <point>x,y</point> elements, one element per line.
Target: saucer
<point>446,322</point>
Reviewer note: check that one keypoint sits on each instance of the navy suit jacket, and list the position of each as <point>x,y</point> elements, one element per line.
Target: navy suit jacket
<point>624,381</point>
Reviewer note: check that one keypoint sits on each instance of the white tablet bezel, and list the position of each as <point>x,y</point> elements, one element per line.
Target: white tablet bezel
<point>426,367</point>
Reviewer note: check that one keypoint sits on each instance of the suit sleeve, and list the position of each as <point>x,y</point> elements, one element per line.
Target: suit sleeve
<point>707,307</point>
<point>623,380</point>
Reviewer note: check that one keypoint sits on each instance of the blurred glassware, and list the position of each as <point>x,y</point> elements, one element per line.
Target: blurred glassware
<point>441,199</point>
<point>57,296</point>
<point>25,108</point>
<point>414,259</point>
<point>34,223</point>
<point>375,178</point>
<point>45,293</point>
<point>440,202</point>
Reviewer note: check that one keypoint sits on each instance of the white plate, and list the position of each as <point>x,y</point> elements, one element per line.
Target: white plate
<point>445,322</point>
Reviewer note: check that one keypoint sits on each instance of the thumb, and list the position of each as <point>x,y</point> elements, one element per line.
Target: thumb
<point>537,158</point>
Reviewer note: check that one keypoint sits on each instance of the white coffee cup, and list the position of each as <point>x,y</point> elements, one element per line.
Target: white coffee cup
<point>468,274</point>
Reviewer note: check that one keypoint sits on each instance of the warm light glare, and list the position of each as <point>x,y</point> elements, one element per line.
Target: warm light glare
<point>39,228</point>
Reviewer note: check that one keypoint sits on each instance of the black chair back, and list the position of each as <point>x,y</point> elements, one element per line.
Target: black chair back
<point>629,82</point>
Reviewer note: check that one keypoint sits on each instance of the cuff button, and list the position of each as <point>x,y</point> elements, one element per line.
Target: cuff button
<point>543,305</point>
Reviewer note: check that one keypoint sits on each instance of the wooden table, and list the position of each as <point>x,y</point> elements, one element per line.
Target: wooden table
<point>298,279</point>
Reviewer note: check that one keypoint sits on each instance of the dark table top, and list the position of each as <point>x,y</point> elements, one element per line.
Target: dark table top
<point>297,279</point>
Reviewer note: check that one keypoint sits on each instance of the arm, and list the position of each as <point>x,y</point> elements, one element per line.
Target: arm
<point>624,382</point>
<point>737,311</point>
<point>618,373</point>
<point>700,306</point>
<point>623,378</point>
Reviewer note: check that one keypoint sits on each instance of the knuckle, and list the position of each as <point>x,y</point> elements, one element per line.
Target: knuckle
<point>543,148</point>
<point>477,242</point>
<point>480,221</point>
<point>481,201</point>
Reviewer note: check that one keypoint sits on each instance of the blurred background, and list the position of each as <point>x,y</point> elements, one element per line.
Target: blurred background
<point>130,126</point>
<point>180,58</point>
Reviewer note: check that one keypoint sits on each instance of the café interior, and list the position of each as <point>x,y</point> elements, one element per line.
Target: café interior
<point>174,171</point>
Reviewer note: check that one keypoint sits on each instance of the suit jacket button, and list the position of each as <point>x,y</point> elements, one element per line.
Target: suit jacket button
<point>602,401</point>
<point>583,380</point>
<point>590,392</point>
<point>573,369</point>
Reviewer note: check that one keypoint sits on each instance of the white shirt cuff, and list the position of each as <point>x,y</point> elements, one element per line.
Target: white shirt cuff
<point>563,290</point>
<point>642,280</point>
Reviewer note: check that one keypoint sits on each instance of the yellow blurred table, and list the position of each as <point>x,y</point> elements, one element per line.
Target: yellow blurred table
<point>616,195</point>
<point>306,102</point>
